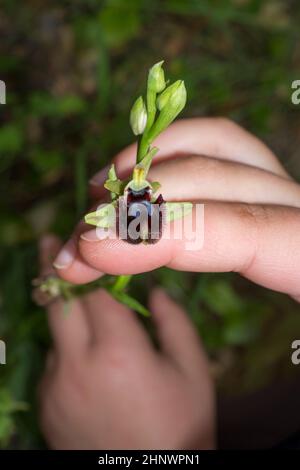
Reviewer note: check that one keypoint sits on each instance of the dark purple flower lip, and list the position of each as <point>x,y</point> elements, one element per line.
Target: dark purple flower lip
<point>140,218</point>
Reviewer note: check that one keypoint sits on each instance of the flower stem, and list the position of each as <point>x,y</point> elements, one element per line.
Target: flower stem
<point>121,282</point>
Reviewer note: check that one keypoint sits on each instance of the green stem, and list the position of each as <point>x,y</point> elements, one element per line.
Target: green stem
<point>121,282</point>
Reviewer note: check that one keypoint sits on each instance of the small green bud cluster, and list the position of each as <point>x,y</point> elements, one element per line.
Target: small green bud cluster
<point>167,101</point>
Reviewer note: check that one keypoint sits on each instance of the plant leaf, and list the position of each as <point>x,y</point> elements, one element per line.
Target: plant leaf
<point>121,282</point>
<point>130,302</point>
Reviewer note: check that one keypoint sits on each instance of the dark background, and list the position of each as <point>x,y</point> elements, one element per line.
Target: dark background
<point>72,70</point>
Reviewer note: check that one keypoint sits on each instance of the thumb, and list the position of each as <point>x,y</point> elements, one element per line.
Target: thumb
<point>178,338</point>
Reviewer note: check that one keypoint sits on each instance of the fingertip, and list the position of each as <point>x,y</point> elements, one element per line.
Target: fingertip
<point>49,245</point>
<point>116,256</point>
<point>79,273</point>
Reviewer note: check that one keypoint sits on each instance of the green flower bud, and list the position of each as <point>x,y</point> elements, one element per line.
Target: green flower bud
<point>156,78</point>
<point>171,104</point>
<point>138,116</point>
<point>168,94</point>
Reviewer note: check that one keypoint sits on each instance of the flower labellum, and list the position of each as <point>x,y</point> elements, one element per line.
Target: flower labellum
<point>138,117</point>
<point>140,218</point>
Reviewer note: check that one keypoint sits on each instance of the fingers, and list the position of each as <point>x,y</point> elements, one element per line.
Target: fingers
<point>201,178</point>
<point>217,137</point>
<point>69,331</point>
<point>111,321</point>
<point>178,339</point>
<point>78,272</point>
<point>207,178</point>
<point>260,242</point>
<point>68,263</point>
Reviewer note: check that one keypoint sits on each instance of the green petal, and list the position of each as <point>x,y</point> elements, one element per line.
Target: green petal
<point>178,210</point>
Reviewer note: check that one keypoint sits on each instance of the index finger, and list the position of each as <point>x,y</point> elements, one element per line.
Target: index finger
<point>69,329</point>
<point>260,242</point>
<point>217,137</point>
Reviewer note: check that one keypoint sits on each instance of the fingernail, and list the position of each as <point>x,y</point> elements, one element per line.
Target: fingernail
<point>96,235</point>
<point>99,178</point>
<point>66,255</point>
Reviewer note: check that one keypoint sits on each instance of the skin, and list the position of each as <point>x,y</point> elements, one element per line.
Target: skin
<point>251,226</point>
<point>105,385</point>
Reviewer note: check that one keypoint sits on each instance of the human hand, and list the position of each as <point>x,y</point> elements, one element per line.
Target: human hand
<point>106,387</point>
<point>251,216</point>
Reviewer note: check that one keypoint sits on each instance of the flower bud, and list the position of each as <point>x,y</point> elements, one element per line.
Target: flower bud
<point>138,116</point>
<point>168,94</point>
<point>170,103</point>
<point>156,78</point>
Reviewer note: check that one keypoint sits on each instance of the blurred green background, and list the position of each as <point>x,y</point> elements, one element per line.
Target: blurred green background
<point>72,69</point>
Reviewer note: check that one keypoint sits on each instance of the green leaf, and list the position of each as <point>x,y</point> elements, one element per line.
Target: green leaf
<point>45,161</point>
<point>121,282</point>
<point>119,23</point>
<point>7,428</point>
<point>11,139</point>
<point>130,302</point>
<point>44,104</point>
<point>222,299</point>
<point>8,406</point>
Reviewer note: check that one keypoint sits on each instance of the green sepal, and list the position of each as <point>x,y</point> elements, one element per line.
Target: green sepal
<point>101,217</point>
<point>178,210</point>
<point>115,187</point>
<point>112,182</point>
<point>155,186</point>
<point>112,175</point>
<point>145,163</point>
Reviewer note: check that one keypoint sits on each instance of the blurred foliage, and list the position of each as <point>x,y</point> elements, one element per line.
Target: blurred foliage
<point>72,70</point>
